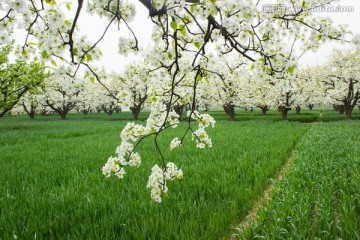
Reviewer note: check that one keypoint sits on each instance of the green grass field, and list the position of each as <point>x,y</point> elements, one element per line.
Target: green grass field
<point>52,186</point>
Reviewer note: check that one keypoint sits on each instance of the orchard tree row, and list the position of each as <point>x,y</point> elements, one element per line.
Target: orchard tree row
<point>228,85</point>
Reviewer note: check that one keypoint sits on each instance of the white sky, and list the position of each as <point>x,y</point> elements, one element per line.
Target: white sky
<point>93,26</point>
<point>352,19</point>
<point>142,26</point>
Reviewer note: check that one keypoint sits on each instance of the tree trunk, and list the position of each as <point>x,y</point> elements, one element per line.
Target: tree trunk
<point>179,110</point>
<point>298,109</point>
<point>135,112</point>
<point>284,111</point>
<point>310,106</point>
<point>230,111</point>
<point>31,111</point>
<point>85,112</point>
<point>207,108</point>
<point>264,109</point>
<point>63,115</point>
<point>348,111</point>
<point>339,108</point>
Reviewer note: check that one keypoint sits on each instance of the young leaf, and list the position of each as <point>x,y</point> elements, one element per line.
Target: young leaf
<point>193,7</point>
<point>67,23</point>
<point>89,57</point>
<point>173,25</point>
<point>44,54</point>
<point>291,69</point>
<point>68,6</point>
<point>183,30</point>
<point>197,45</point>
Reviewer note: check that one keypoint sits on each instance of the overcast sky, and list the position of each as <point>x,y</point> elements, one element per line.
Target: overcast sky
<point>142,26</point>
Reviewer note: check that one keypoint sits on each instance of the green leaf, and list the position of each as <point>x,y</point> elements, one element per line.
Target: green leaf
<point>89,57</point>
<point>198,77</point>
<point>213,1</point>
<point>291,69</point>
<point>67,23</point>
<point>182,29</point>
<point>197,45</point>
<point>44,54</point>
<point>251,33</point>
<point>170,55</point>
<point>92,79</point>
<point>193,7</point>
<point>68,6</point>
<point>53,63</point>
<point>186,20</point>
<point>50,2</point>
<point>252,67</point>
<point>173,25</point>
<point>319,37</point>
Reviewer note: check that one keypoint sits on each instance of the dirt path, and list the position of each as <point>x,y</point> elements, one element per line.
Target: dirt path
<point>265,197</point>
<point>251,217</point>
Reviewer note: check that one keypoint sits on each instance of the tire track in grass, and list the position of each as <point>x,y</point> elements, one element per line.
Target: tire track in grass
<point>265,197</point>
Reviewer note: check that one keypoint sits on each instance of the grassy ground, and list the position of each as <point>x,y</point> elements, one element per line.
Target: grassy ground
<point>320,196</point>
<point>52,185</point>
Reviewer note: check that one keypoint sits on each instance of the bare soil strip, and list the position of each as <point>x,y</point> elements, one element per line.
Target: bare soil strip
<point>244,224</point>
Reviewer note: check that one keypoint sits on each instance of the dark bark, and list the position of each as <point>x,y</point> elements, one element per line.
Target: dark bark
<point>43,112</point>
<point>179,110</point>
<point>109,110</point>
<point>339,108</point>
<point>207,108</point>
<point>63,115</point>
<point>31,111</point>
<point>298,110</point>
<point>264,109</point>
<point>348,111</point>
<point>230,111</point>
<point>310,106</point>
<point>85,112</point>
<point>135,112</point>
<point>118,110</point>
<point>284,110</point>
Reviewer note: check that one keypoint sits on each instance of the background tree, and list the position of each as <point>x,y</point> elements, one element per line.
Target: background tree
<point>132,87</point>
<point>16,79</point>
<point>30,102</point>
<point>87,99</point>
<point>340,77</point>
<point>61,93</point>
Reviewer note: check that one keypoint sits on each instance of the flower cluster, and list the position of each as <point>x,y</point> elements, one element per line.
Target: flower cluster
<point>158,178</point>
<point>200,135</point>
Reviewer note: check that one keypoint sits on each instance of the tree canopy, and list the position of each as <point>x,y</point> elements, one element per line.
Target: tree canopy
<point>16,79</point>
